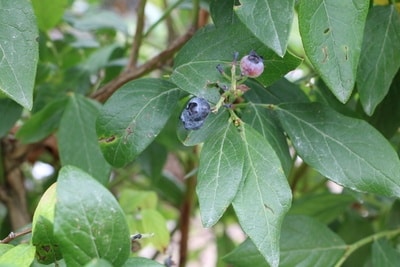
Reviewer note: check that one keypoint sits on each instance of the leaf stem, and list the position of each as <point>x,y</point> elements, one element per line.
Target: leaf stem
<point>166,13</point>
<point>351,248</point>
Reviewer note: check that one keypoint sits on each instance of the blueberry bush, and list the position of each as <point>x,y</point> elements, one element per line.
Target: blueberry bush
<point>279,118</point>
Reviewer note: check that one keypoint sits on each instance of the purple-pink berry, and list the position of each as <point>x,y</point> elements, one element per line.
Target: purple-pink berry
<point>252,65</point>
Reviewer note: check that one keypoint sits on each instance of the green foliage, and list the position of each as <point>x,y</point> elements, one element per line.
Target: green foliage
<point>381,61</point>
<point>88,223</point>
<point>253,14</point>
<point>133,118</point>
<point>267,158</point>
<point>18,51</point>
<point>333,49</point>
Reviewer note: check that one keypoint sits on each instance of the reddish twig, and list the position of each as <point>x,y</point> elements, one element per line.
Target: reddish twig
<point>132,73</point>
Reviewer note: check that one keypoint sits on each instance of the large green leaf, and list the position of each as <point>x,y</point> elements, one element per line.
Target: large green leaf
<point>281,91</point>
<point>324,207</point>
<point>44,122</point>
<point>4,248</point>
<point>346,150</point>
<point>304,242</point>
<point>88,222</point>
<point>383,254</point>
<point>20,255</point>
<point>48,12</point>
<point>77,138</point>
<point>269,20</point>
<point>386,117</point>
<point>133,117</point>
<point>47,249</point>
<point>264,122</point>
<point>264,196</point>
<point>213,123</point>
<point>380,56</point>
<point>10,112</point>
<point>220,173</point>
<point>18,51</point>
<point>332,32</point>
<point>193,72</point>
<point>222,12</point>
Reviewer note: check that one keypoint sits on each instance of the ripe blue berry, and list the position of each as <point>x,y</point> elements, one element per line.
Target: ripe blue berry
<point>196,111</point>
<point>252,65</point>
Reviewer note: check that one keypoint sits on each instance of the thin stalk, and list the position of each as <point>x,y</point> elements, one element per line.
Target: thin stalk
<point>353,247</point>
<point>186,212</point>
<point>166,13</point>
<point>13,236</point>
<point>138,38</point>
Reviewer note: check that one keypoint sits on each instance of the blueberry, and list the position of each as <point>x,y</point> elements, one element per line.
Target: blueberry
<point>195,112</point>
<point>252,65</point>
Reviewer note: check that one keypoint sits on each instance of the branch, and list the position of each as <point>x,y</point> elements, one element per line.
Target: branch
<point>137,41</point>
<point>132,73</point>
<point>11,236</point>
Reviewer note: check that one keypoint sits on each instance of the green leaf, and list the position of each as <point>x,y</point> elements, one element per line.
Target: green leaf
<point>386,117</point>
<point>332,32</point>
<point>4,248</point>
<point>98,263</point>
<point>265,123</point>
<point>142,262</point>
<point>10,113</point>
<point>43,123</point>
<point>324,207</point>
<point>195,72</point>
<point>153,222</point>
<point>213,123</point>
<point>47,249</point>
<point>281,91</point>
<point>88,222</point>
<point>99,19</point>
<point>21,255</point>
<point>99,58</point>
<point>304,242</point>
<point>77,138</point>
<point>380,56</point>
<point>48,12</point>
<point>348,151</point>
<point>133,117</point>
<point>18,51</point>
<point>245,255</point>
<point>383,254</point>
<point>220,173</point>
<point>133,201</point>
<point>222,12</point>
<point>269,20</point>
<point>264,196</point>
<point>352,229</point>
<point>393,218</point>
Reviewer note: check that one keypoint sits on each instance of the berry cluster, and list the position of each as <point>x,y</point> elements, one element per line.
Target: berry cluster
<point>197,108</point>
